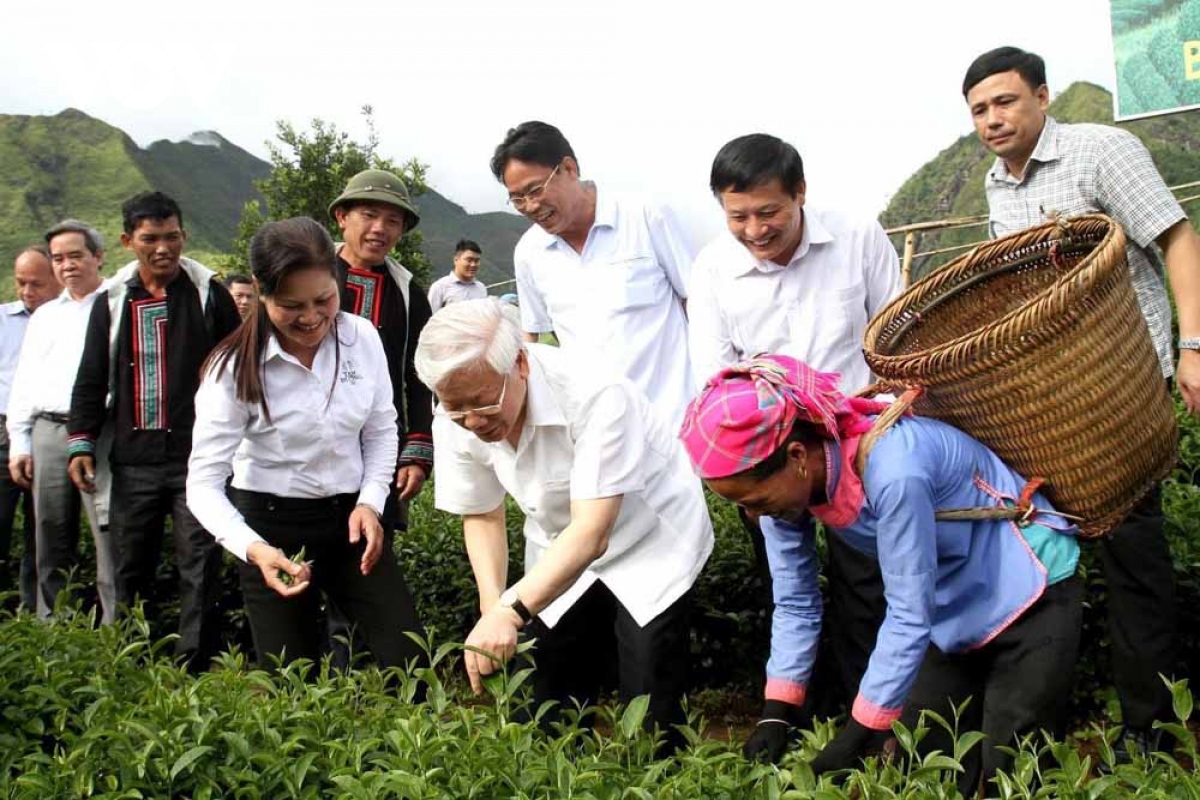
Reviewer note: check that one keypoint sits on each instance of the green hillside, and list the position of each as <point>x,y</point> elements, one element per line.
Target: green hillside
<point>444,222</point>
<point>73,165</point>
<point>65,165</point>
<point>951,185</point>
<point>212,180</point>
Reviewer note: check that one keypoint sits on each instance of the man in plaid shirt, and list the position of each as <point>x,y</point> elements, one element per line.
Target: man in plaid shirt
<point>1044,168</point>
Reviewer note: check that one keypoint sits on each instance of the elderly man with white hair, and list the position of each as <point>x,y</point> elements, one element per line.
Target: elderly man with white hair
<point>616,528</point>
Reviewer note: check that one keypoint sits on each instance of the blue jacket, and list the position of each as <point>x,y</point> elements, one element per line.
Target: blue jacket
<point>956,584</point>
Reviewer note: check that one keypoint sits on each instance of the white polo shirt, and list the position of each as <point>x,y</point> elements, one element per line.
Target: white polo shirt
<point>332,431</point>
<point>587,435</point>
<point>618,303</point>
<point>814,309</point>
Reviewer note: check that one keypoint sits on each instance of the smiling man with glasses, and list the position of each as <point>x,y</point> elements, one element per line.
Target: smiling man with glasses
<point>606,272</point>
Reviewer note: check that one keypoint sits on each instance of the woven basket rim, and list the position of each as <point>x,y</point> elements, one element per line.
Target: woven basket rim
<point>1065,288</point>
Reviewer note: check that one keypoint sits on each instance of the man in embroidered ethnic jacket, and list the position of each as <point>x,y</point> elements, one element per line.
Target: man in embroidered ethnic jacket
<point>373,212</point>
<point>132,409</point>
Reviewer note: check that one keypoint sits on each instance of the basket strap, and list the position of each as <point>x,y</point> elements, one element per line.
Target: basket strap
<point>1022,512</point>
<point>883,424</point>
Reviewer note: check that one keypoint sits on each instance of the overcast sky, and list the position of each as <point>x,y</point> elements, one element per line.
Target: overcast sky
<point>646,91</point>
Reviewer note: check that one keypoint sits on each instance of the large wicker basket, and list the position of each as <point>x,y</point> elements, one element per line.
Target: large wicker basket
<point>1034,344</point>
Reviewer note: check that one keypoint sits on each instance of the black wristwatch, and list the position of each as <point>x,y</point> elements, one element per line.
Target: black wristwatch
<point>509,599</point>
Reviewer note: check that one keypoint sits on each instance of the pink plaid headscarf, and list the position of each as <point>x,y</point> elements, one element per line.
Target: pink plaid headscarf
<point>746,411</point>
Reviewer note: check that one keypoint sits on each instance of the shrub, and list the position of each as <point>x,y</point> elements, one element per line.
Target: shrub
<point>105,714</point>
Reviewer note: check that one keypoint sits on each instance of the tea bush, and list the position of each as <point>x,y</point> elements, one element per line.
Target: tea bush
<point>105,714</point>
<point>731,623</point>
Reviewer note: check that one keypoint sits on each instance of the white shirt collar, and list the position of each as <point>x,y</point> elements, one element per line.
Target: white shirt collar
<point>275,349</point>
<point>813,232</point>
<point>65,295</point>
<point>15,308</point>
<point>541,406</point>
<point>605,217</point>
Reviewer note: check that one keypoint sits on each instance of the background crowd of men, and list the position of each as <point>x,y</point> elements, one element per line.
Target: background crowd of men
<point>98,376</point>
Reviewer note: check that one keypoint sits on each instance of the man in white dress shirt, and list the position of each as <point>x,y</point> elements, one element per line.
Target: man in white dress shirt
<point>37,420</point>
<point>616,529</point>
<point>605,272</point>
<point>36,286</point>
<point>460,284</point>
<point>787,278</point>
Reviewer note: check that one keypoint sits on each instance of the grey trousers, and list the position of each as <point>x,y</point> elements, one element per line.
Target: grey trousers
<point>57,504</point>
<point>142,496</point>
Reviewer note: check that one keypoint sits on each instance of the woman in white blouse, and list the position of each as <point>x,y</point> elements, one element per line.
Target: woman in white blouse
<point>297,405</point>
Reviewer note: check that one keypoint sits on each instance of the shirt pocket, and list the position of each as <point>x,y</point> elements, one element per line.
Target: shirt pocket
<point>628,282</point>
<point>549,503</point>
<point>826,325</point>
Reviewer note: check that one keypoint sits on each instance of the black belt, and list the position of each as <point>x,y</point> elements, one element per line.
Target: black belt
<point>273,502</point>
<point>49,416</point>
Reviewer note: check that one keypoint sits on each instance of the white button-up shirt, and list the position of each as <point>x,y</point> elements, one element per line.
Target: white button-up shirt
<point>587,435</point>
<point>449,289</point>
<point>14,318</point>
<point>618,303</point>
<point>814,309</point>
<point>50,357</point>
<point>332,431</point>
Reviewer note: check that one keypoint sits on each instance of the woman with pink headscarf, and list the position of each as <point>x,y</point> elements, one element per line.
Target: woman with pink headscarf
<point>988,609</point>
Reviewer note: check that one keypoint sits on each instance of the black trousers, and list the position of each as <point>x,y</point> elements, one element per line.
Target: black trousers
<point>344,642</point>
<point>854,609</point>
<point>11,496</point>
<point>598,645</point>
<point>378,604</point>
<point>142,497</point>
<point>1136,561</point>
<point>1019,683</point>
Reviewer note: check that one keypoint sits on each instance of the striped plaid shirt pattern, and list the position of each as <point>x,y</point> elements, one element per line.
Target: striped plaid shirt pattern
<point>1082,169</point>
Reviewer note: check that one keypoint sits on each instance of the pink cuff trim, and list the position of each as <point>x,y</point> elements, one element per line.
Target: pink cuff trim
<point>872,716</point>
<point>785,690</point>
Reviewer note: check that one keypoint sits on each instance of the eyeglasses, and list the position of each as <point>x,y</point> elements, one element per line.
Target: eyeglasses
<point>482,411</point>
<point>519,201</point>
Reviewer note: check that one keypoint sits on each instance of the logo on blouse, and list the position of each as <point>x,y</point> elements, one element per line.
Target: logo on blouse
<point>349,373</point>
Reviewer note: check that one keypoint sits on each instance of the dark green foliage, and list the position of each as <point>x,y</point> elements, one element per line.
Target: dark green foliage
<point>730,623</point>
<point>309,169</point>
<point>92,713</point>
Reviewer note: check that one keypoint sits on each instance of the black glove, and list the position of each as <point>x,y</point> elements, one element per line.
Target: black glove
<point>769,740</point>
<point>853,741</point>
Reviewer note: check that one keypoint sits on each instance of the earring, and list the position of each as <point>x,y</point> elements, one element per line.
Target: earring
<point>803,472</point>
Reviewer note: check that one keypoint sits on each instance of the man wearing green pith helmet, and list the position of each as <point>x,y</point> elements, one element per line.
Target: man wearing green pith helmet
<point>374,211</point>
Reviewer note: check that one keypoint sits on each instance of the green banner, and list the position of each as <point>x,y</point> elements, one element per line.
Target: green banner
<point>1156,44</point>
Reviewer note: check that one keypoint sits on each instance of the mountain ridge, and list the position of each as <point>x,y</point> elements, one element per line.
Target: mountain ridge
<point>71,164</point>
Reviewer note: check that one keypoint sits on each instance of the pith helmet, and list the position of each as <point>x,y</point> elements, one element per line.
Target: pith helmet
<point>379,186</point>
